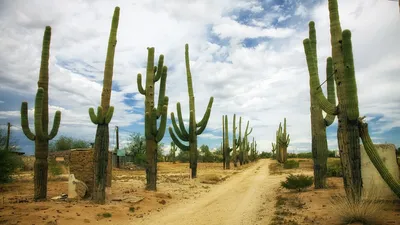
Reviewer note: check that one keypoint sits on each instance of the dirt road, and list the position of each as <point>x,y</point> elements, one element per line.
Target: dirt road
<point>245,198</point>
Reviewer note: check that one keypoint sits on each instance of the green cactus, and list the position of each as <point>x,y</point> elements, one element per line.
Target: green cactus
<point>283,139</point>
<point>319,144</point>
<point>349,126</point>
<point>226,150</point>
<point>153,135</point>
<point>244,146</point>
<point>41,123</point>
<point>172,152</point>
<point>195,128</point>
<point>235,142</point>
<point>103,118</point>
<point>273,150</point>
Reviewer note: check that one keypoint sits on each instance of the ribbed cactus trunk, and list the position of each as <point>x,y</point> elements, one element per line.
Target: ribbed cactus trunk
<point>195,129</point>
<point>319,144</point>
<point>235,142</point>
<point>103,118</point>
<point>282,140</point>
<point>41,136</point>
<point>227,150</point>
<point>152,133</point>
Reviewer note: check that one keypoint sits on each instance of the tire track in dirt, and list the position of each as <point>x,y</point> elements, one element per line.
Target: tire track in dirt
<point>245,198</point>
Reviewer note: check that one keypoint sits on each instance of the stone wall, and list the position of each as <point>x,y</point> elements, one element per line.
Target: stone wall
<point>60,154</point>
<point>82,166</point>
<point>372,180</point>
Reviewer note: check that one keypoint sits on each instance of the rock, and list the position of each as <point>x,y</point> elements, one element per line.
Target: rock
<point>162,202</point>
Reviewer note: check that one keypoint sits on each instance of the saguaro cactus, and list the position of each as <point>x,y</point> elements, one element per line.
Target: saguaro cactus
<point>273,150</point>
<point>153,135</point>
<point>349,124</point>
<point>226,149</point>
<point>235,142</point>
<point>195,129</point>
<point>319,144</point>
<point>283,139</point>
<point>41,136</point>
<point>244,145</point>
<point>172,152</point>
<point>103,118</point>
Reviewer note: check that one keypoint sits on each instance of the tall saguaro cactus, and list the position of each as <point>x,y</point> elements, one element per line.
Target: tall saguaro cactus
<point>172,152</point>
<point>195,128</point>
<point>226,150</point>
<point>319,144</point>
<point>41,123</point>
<point>283,141</point>
<point>152,114</point>
<point>103,118</point>
<point>244,144</point>
<point>350,126</point>
<point>236,142</point>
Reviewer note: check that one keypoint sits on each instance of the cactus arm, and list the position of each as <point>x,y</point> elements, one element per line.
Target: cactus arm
<point>180,120</point>
<point>161,95</point>
<point>39,114</point>
<point>25,123</point>
<point>159,70</point>
<point>139,84</point>
<point>325,105</point>
<point>109,64</point>
<point>177,130</point>
<point>176,141</point>
<point>205,119</point>
<point>56,125</point>
<point>109,115</point>
<point>92,115</point>
<point>206,114</point>
<point>350,79</point>
<point>376,160</point>
<point>99,118</point>
<point>330,89</point>
<point>163,123</point>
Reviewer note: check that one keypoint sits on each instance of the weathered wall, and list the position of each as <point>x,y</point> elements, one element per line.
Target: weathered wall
<point>372,180</point>
<point>82,166</point>
<point>65,154</point>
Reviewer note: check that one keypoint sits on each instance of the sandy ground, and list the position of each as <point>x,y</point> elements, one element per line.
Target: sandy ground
<point>250,194</point>
<point>247,198</point>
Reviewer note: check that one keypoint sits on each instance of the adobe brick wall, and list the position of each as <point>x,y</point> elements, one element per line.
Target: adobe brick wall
<point>82,166</point>
<point>372,180</point>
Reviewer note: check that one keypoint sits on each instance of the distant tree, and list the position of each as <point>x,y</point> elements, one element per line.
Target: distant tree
<point>206,155</point>
<point>217,155</point>
<point>66,143</point>
<point>183,156</point>
<point>160,152</point>
<point>9,161</point>
<point>137,148</point>
<point>265,155</point>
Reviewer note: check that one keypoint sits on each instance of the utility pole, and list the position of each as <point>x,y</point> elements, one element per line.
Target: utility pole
<point>117,146</point>
<point>8,136</point>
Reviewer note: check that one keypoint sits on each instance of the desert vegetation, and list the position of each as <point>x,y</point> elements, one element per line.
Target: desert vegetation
<point>149,182</point>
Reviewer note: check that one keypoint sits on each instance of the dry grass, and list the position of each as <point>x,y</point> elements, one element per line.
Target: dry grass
<point>368,210</point>
<point>211,178</point>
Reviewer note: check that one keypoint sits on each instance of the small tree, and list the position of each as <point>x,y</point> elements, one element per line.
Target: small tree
<point>9,161</point>
<point>66,143</point>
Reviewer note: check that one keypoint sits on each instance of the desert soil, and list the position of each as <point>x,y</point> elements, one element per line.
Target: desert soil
<point>249,194</point>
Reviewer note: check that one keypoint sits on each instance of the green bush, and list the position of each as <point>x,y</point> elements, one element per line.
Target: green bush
<point>297,182</point>
<point>291,164</point>
<point>55,168</point>
<point>334,169</point>
<point>9,164</point>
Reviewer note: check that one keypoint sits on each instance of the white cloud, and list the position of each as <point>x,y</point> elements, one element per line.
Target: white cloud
<point>263,84</point>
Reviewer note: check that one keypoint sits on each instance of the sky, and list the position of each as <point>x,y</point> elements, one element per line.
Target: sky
<point>247,54</point>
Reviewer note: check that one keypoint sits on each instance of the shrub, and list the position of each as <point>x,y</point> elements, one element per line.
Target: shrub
<point>9,163</point>
<point>334,169</point>
<point>297,182</point>
<point>55,168</point>
<point>290,164</point>
<point>368,210</point>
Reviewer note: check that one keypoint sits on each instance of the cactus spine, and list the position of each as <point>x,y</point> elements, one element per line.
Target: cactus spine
<point>103,118</point>
<point>283,141</point>
<point>195,128</point>
<point>319,144</point>
<point>41,123</point>
<point>153,135</point>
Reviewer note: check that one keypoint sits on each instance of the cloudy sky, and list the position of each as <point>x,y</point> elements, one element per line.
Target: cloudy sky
<point>247,54</point>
